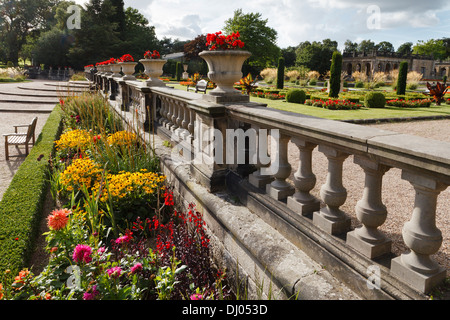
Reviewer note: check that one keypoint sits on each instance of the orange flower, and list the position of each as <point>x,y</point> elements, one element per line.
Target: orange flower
<point>58,219</point>
<point>22,276</point>
<point>1,291</point>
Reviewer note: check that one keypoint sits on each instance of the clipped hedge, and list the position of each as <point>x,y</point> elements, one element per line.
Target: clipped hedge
<point>22,204</point>
<point>296,96</point>
<point>375,100</point>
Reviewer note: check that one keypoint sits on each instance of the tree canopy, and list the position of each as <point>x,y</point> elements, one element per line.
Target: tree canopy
<point>259,38</point>
<point>316,55</point>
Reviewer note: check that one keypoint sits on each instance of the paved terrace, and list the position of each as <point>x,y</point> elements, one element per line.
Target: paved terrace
<point>19,104</point>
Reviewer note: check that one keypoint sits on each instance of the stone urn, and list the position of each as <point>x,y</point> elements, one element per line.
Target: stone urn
<point>154,69</point>
<point>115,69</point>
<point>128,69</point>
<point>225,69</point>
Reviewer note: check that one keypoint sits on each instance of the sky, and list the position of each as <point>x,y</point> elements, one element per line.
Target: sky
<point>296,21</point>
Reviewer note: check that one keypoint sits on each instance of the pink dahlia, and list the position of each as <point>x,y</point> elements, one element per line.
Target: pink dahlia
<point>82,253</point>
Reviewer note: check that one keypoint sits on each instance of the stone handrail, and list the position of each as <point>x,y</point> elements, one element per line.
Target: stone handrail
<point>424,163</point>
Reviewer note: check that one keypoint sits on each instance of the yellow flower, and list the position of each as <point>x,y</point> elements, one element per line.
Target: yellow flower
<point>74,139</point>
<point>122,138</point>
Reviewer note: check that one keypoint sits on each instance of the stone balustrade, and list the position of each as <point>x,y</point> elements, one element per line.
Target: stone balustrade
<point>202,128</point>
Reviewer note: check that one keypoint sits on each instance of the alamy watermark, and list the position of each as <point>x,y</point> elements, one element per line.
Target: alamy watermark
<point>374,20</point>
<point>74,21</point>
<point>233,147</point>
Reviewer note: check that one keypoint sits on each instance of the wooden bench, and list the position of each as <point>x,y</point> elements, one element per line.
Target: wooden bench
<point>201,86</point>
<point>24,139</point>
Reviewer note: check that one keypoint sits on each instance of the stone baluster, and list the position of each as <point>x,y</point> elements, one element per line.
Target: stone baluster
<point>169,113</point>
<point>174,104</point>
<point>185,122</point>
<point>330,218</point>
<point>421,236</point>
<point>163,111</point>
<point>304,179</point>
<point>371,212</point>
<point>280,189</point>
<point>257,179</point>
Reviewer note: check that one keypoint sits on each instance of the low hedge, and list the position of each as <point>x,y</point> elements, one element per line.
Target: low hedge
<point>22,204</point>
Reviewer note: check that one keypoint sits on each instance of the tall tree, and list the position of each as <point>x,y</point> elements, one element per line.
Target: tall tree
<point>433,47</point>
<point>18,20</point>
<point>405,48</point>
<point>366,46</point>
<point>259,38</point>
<point>139,35</point>
<point>97,40</point>
<point>119,17</point>
<point>350,46</point>
<point>335,75</point>
<point>316,55</point>
<point>385,46</point>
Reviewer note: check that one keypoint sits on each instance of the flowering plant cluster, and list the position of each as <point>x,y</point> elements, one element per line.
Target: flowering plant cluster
<point>268,95</point>
<point>334,104</point>
<point>116,235</point>
<point>89,66</point>
<point>400,103</point>
<point>219,41</point>
<point>152,54</point>
<point>127,58</point>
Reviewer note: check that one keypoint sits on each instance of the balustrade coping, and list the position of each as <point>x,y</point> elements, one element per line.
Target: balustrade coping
<point>398,150</point>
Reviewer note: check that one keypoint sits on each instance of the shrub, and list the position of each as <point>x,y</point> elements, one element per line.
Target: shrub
<point>296,96</point>
<point>280,74</point>
<point>22,203</point>
<point>402,78</point>
<point>359,84</point>
<point>375,100</point>
<point>335,75</point>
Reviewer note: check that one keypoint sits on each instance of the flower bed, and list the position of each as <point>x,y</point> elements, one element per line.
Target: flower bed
<point>333,104</point>
<point>268,95</point>
<point>115,233</point>
<point>400,103</point>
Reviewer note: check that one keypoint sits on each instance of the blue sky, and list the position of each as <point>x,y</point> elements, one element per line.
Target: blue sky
<point>296,21</point>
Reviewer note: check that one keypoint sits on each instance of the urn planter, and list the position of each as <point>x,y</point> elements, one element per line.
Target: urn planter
<point>128,69</point>
<point>154,69</point>
<point>115,69</point>
<point>225,69</point>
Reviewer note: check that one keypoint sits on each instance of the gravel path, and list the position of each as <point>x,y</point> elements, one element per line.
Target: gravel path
<point>398,194</point>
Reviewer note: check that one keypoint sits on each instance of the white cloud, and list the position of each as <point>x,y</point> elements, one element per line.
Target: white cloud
<point>297,21</point>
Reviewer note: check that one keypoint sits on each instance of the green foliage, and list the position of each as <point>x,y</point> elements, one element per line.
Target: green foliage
<point>178,71</point>
<point>296,96</point>
<point>259,38</point>
<point>280,74</point>
<point>375,100</point>
<point>402,78</point>
<point>316,55</point>
<point>335,75</point>
<point>22,203</point>
<point>434,47</point>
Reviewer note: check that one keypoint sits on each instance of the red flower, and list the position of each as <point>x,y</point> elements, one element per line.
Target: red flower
<point>218,41</point>
<point>168,195</point>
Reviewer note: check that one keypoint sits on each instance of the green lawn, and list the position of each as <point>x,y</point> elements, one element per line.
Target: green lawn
<point>364,113</point>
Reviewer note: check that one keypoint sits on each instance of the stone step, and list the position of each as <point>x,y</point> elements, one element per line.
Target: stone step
<point>25,108</point>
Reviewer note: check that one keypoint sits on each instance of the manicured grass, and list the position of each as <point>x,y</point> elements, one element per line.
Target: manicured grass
<point>22,204</point>
<point>361,114</point>
<point>364,113</point>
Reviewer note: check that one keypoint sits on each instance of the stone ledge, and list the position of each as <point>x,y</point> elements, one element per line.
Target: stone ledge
<point>258,248</point>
